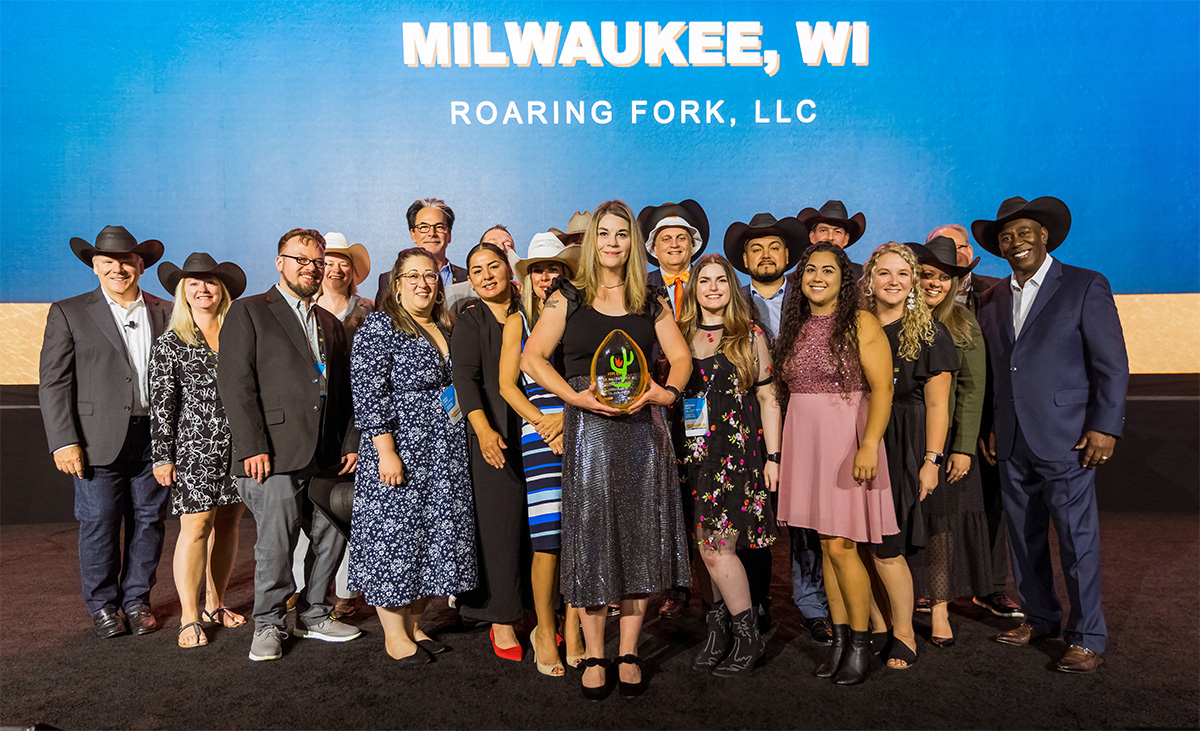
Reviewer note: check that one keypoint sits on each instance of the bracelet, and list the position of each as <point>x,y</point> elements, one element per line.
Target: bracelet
<point>774,457</point>
<point>937,458</point>
<point>675,391</point>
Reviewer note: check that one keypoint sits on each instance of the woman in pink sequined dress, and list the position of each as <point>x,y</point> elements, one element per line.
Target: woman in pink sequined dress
<point>835,383</point>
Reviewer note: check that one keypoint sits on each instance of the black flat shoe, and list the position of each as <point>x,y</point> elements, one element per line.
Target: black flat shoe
<point>599,692</point>
<point>942,641</point>
<point>420,657</point>
<point>433,647</point>
<point>631,690</point>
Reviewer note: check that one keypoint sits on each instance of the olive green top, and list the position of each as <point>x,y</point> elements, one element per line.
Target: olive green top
<point>967,391</point>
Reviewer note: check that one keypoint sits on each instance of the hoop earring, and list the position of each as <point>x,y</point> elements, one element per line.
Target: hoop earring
<point>912,300</point>
<point>441,297</point>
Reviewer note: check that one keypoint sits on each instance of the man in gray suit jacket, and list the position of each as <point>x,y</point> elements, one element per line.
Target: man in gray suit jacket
<point>285,382</point>
<point>94,395</point>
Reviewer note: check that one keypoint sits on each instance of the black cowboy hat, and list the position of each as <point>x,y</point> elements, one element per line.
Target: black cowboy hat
<point>1047,210</point>
<point>834,212</point>
<point>230,274</point>
<point>941,253</point>
<point>689,210</point>
<point>791,230</point>
<point>116,240</point>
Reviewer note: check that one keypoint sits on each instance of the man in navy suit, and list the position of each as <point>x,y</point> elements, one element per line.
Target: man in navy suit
<point>430,226</point>
<point>1060,374</point>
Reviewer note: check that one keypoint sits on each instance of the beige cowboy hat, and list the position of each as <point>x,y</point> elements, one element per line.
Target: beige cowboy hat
<point>576,228</point>
<point>336,243</point>
<point>548,247</point>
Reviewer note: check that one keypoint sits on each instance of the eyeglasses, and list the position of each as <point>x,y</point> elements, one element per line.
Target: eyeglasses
<point>413,277</point>
<point>304,261</point>
<point>426,228</point>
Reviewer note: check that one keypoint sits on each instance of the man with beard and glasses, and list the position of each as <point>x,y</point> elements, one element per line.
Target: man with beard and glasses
<point>285,381</point>
<point>766,248</point>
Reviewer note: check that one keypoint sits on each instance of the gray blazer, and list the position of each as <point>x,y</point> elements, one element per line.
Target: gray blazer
<point>85,381</point>
<point>271,388</point>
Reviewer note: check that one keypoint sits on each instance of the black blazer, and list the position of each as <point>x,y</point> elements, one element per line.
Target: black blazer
<point>85,381</point>
<point>475,353</point>
<point>271,388</point>
<point>457,274</point>
<point>979,285</point>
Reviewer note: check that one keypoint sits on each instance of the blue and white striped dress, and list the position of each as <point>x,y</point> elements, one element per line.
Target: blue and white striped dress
<point>543,469</point>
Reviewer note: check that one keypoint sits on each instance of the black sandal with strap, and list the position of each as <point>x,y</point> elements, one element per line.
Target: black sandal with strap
<point>214,617</point>
<point>201,638</point>
<point>599,692</point>
<point>631,690</point>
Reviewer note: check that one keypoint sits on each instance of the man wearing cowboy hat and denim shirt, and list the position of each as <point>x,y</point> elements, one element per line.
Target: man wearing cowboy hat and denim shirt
<point>998,602</point>
<point>766,248</point>
<point>675,235</point>
<point>832,224</point>
<point>1060,374</point>
<point>94,394</point>
<point>285,383</point>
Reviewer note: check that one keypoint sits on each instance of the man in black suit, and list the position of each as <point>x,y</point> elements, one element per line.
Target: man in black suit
<point>95,399</point>
<point>285,382</point>
<point>430,225</point>
<point>998,602</point>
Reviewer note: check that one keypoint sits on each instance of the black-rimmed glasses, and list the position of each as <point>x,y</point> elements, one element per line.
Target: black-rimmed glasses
<point>304,261</point>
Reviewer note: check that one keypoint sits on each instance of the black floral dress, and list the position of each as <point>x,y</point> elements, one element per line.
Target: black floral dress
<point>187,421</point>
<point>724,467</point>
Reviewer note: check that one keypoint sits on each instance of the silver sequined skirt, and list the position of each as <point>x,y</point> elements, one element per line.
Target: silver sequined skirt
<point>623,530</point>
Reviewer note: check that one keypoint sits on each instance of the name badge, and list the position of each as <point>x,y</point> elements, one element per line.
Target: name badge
<point>320,368</point>
<point>695,417</point>
<point>450,404</point>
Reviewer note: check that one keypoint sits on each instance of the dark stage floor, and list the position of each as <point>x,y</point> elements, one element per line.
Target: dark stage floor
<point>52,670</point>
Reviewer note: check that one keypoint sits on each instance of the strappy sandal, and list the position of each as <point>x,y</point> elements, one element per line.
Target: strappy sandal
<point>899,651</point>
<point>214,617</point>
<point>201,638</point>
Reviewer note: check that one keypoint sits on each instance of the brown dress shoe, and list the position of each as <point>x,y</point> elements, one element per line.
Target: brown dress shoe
<point>1023,635</point>
<point>1079,660</point>
<point>141,621</point>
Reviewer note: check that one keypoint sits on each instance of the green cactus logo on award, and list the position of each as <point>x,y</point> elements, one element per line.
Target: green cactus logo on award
<point>619,371</point>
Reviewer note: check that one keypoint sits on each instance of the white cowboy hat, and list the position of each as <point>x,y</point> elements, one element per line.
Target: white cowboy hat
<point>336,243</point>
<point>547,247</point>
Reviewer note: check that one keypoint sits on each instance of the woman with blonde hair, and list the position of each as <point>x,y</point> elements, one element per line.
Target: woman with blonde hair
<point>192,446</point>
<point>730,455</point>
<point>623,534</point>
<point>924,361</point>
<point>541,448</point>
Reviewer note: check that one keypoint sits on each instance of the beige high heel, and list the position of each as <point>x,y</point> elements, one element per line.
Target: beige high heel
<point>546,669</point>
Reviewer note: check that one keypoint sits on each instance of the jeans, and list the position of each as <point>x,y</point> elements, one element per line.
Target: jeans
<point>808,575</point>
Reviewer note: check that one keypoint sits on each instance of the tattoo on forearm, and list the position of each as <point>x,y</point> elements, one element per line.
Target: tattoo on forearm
<point>551,303</point>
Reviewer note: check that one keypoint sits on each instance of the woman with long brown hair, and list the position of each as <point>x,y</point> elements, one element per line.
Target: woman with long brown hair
<point>622,525</point>
<point>730,455</point>
<point>413,530</point>
<point>834,374</point>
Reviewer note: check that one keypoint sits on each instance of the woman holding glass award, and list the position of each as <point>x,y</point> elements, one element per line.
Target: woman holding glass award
<point>623,534</point>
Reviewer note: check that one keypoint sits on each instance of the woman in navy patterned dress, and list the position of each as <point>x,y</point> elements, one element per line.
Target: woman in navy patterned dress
<point>412,534</point>
<point>192,446</point>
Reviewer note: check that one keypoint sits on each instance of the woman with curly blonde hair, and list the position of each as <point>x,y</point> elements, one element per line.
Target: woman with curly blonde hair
<point>923,361</point>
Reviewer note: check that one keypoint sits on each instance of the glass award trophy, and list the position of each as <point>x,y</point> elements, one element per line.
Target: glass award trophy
<point>619,371</point>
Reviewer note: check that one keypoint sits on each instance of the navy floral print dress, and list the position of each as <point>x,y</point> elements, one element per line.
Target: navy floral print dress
<point>416,539</point>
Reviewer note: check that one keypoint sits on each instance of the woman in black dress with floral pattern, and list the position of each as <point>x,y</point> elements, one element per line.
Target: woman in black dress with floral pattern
<point>192,446</point>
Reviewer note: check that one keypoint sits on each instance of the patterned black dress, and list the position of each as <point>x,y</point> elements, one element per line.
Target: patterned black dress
<point>187,421</point>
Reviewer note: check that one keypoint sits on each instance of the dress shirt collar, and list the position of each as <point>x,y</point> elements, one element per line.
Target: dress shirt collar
<point>139,302</point>
<point>1038,277</point>
<point>294,302</point>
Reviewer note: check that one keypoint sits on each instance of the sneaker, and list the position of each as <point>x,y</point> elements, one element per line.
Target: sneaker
<point>999,604</point>
<point>328,629</point>
<point>267,643</point>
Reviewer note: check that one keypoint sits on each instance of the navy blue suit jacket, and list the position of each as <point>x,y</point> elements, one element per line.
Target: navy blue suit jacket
<point>1066,374</point>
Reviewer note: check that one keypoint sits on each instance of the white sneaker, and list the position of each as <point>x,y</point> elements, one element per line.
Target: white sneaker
<point>329,630</point>
<point>267,643</point>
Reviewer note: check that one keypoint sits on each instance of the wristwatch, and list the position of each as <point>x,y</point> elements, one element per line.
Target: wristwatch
<point>934,457</point>
<point>774,457</point>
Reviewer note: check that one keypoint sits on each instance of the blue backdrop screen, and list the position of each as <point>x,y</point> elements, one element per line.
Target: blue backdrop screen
<point>218,126</point>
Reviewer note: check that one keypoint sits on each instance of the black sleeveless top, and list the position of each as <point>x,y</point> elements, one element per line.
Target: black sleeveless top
<point>586,329</point>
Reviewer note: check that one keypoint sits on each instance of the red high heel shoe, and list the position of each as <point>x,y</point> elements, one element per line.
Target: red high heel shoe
<point>510,653</point>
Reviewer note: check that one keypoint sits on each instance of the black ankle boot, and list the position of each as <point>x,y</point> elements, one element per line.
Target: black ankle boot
<point>833,661</point>
<point>716,644</point>
<point>748,646</point>
<point>857,661</point>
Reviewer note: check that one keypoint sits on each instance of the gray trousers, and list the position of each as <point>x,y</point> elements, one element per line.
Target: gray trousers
<point>280,514</point>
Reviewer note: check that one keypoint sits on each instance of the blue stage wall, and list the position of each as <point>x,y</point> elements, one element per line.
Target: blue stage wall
<point>218,126</point>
